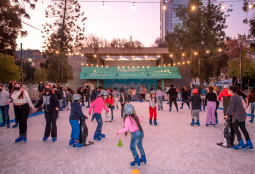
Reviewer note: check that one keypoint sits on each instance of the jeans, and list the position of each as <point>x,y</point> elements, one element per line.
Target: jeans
<point>112,110</point>
<point>75,129</point>
<point>136,139</point>
<point>61,103</point>
<point>160,99</point>
<point>99,122</point>
<point>22,113</point>
<point>51,123</point>
<point>252,110</point>
<point>5,114</point>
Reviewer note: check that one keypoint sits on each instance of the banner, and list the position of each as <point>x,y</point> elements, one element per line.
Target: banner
<point>144,72</point>
<point>134,83</point>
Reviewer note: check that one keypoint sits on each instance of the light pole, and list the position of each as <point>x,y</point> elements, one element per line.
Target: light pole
<point>239,42</point>
<point>30,60</point>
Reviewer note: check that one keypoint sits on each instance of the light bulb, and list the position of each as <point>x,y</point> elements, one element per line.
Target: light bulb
<point>223,7</point>
<point>42,3</point>
<point>250,6</point>
<point>103,5</point>
<point>164,7</point>
<point>193,7</point>
<point>133,6</point>
<point>72,5</point>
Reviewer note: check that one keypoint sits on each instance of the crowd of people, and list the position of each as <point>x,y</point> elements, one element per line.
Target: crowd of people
<point>55,99</point>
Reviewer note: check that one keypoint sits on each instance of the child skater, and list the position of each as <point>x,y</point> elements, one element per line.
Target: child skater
<point>153,107</point>
<point>110,101</point>
<point>75,115</point>
<point>196,103</point>
<point>99,105</point>
<point>132,124</point>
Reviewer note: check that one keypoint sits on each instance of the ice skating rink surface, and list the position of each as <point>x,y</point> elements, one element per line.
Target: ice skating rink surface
<point>173,146</point>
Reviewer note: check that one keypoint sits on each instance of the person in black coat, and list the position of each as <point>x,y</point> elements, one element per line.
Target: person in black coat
<point>51,107</point>
<point>185,96</point>
<point>81,92</point>
<point>40,88</point>
<point>172,92</point>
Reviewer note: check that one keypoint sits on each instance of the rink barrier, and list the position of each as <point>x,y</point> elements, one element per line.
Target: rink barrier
<point>31,115</point>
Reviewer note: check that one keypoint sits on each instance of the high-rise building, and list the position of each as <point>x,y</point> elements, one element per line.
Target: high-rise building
<point>168,18</point>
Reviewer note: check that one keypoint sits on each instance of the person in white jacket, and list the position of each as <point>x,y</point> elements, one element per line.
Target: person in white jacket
<point>4,106</point>
<point>22,102</point>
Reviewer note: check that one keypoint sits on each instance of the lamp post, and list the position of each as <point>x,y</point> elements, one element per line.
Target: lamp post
<point>30,60</point>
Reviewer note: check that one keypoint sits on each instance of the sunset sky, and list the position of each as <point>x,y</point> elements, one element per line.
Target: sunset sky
<point>120,20</point>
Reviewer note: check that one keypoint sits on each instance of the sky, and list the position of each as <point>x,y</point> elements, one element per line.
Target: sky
<point>120,20</point>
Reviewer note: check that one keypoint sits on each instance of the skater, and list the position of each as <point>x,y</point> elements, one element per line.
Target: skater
<point>51,106</point>
<point>110,101</point>
<point>251,100</point>
<point>132,124</point>
<point>115,95</point>
<point>216,91</point>
<point>122,90</point>
<point>87,93</point>
<point>99,105</point>
<point>61,95</point>
<point>226,97</point>
<point>69,99</point>
<point>172,97</point>
<point>123,101</point>
<point>64,95</point>
<point>211,106</point>
<point>75,115</point>
<point>196,104</point>
<point>202,94</point>
<point>11,85</point>
<point>81,92</point>
<point>40,88</point>
<point>129,94</point>
<point>22,102</point>
<point>144,92</point>
<point>185,96</point>
<point>239,117</point>
<point>153,107</point>
<point>160,96</point>
<point>133,93</point>
<point>94,95</point>
<point>4,106</point>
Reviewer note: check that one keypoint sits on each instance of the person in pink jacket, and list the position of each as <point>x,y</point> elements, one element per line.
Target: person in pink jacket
<point>99,105</point>
<point>132,124</point>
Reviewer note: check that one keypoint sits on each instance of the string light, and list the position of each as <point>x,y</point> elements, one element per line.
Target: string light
<point>123,66</point>
<point>171,55</point>
<point>142,66</point>
<point>82,55</point>
<point>106,66</point>
<point>223,7</point>
<point>188,62</point>
<point>158,56</point>
<point>138,67</point>
<point>164,65</point>
<point>195,53</point>
<point>87,64</point>
<point>250,6</point>
<point>207,51</point>
<point>148,66</point>
<point>164,7</point>
<point>82,64</point>
<point>72,5</point>
<point>91,64</point>
<point>120,56</point>
<point>133,6</point>
<point>56,52</point>
<point>220,50</point>
<point>95,55</point>
<point>183,54</point>
<point>133,67</point>
<point>174,64</point>
<point>168,64</point>
<point>145,56</point>
<point>183,63</point>
<point>159,66</point>
<point>133,56</point>
<point>96,65</point>
<point>193,7</point>
<point>42,2</point>
<point>102,65</point>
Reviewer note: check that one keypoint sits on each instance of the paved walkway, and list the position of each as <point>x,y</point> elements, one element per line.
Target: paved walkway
<point>173,146</point>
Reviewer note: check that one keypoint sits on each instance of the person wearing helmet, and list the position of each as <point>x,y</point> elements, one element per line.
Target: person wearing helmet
<point>75,115</point>
<point>98,105</point>
<point>153,107</point>
<point>123,101</point>
<point>226,97</point>
<point>196,104</point>
<point>132,124</point>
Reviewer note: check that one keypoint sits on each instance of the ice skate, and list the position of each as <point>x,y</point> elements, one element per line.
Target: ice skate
<point>24,137</point>
<point>92,119</point>
<point>101,135</point>
<point>193,122</point>
<point>217,121</point>
<point>240,145</point>
<point>143,159</point>
<point>3,124</point>
<point>170,109</point>
<point>197,123</point>
<point>71,141</point>
<point>54,139</point>
<point>137,161</point>
<point>15,125</point>
<point>155,122</point>
<point>249,145</point>
<point>77,144</point>
<point>251,121</point>
<point>8,126</point>
<point>18,139</point>
<point>45,138</point>
<point>150,122</point>
<point>181,107</point>
<point>189,107</point>
<point>88,106</point>
<point>96,137</point>
<point>177,109</point>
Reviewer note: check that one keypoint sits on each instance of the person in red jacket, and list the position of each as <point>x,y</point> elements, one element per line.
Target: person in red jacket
<point>110,101</point>
<point>226,97</point>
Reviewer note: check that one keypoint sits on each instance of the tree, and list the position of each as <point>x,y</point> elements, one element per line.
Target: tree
<point>248,6</point>
<point>159,43</point>
<point>248,65</point>
<point>10,20</point>
<point>66,27</point>
<point>29,70</point>
<point>123,43</point>
<point>200,30</point>
<point>41,75</point>
<point>8,69</point>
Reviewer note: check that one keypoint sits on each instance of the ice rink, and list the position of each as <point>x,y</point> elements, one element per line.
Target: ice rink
<point>173,146</point>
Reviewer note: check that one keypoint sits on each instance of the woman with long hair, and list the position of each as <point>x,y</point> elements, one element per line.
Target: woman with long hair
<point>22,102</point>
<point>185,96</point>
<point>51,108</point>
<point>132,124</point>
<point>211,106</point>
<point>236,109</point>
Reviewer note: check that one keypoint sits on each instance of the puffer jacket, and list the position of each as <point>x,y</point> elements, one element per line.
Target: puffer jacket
<point>226,97</point>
